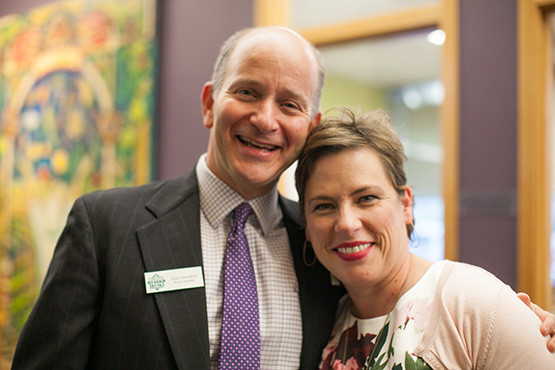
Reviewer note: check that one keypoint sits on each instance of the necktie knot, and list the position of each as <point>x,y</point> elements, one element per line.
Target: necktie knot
<point>240,215</point>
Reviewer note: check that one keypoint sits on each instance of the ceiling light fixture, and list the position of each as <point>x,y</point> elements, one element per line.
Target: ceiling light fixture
<point>436,37</point>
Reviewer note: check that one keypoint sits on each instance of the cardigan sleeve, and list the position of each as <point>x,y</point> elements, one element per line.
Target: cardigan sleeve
<point>481,325</point>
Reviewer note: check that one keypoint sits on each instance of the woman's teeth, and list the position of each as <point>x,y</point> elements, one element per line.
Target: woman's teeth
<point>354,249</point>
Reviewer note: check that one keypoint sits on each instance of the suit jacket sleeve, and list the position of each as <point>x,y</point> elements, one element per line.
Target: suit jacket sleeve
<point>60,328</point>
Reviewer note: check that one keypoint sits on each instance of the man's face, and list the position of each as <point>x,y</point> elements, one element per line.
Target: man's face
<point>260,119</point>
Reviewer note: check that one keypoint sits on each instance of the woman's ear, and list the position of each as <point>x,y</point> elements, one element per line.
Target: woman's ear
<point>407,200</point>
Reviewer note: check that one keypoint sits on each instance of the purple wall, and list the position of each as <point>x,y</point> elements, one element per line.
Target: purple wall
<point>192,32</point>
<point>18,6</point>
<point>488,182</point>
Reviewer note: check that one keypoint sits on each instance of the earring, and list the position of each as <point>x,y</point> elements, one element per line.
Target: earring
<point>304,255</point>
<point>410,229</point>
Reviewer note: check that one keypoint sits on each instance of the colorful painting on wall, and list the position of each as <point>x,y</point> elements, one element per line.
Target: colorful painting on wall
<point>77,101</point>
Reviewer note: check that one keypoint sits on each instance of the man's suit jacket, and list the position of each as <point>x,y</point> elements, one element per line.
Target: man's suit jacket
<point>93,311</point>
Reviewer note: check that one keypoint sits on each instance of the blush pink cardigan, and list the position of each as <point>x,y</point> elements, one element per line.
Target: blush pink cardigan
<point>479,323</point>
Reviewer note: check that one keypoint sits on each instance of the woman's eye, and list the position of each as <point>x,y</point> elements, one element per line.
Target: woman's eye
<point>368,198</point>
<point>322,207</point>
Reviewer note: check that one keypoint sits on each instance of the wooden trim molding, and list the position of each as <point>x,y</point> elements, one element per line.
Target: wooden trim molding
<point>450,116</point>
<point>271,13</point>
<point>534,175</point>
<point>402,21</point>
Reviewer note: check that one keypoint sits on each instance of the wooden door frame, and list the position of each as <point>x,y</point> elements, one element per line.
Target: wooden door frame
<point>534,150</point>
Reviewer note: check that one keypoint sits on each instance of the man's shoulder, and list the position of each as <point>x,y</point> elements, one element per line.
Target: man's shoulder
<point>290,210</point>
<point>186,181</point>
<point>288,204</point>
<point>157,196</point>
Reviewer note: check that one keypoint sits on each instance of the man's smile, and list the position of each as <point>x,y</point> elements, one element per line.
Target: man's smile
<point>253,144</point>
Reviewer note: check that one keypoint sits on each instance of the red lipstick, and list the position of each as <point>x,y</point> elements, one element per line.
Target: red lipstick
<point>353,251</point>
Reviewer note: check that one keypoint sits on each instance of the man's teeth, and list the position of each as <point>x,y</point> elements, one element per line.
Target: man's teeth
<point>254,144</point>
<point>354,249</point>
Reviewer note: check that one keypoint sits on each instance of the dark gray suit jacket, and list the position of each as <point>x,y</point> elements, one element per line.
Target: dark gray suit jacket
<point>93,311</point>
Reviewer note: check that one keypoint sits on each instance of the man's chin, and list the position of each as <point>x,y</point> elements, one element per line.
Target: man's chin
<point>259,178</point>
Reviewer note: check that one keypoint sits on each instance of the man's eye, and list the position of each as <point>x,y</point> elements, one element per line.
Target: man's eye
<point>245,92</point>
<point>290,105</point>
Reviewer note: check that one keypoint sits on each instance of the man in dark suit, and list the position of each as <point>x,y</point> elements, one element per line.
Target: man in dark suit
<point>106,300</point>
<point>94,310</point>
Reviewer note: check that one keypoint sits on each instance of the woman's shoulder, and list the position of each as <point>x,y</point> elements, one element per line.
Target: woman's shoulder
<point>469,293</point>
<point>466,278</point>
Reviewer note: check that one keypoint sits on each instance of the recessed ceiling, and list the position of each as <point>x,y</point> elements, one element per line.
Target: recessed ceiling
<point>387,61</point>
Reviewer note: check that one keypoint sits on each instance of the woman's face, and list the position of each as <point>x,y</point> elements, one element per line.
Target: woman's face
<point>355,219</point>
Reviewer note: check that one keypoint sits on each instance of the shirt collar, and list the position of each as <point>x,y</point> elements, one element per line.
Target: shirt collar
<point>217,200</point>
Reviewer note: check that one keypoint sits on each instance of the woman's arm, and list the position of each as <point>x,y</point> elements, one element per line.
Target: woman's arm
<point>481,323</point>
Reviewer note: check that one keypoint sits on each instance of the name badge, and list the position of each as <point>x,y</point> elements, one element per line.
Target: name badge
<point>176,279</point>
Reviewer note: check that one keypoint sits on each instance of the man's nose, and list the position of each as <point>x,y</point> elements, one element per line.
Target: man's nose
<point>265,118</point>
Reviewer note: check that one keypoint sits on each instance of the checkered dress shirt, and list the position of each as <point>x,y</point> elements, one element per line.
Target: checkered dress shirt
<point>278,292</point>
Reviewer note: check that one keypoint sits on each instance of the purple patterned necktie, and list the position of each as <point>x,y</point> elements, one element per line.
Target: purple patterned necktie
<point>240,338</point>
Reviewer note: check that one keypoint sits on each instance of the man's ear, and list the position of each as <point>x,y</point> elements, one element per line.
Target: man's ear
<point>207,98</point>
<point>315,121</point>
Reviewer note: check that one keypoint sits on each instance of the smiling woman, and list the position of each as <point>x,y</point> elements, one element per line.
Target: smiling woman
<point>358,211</point>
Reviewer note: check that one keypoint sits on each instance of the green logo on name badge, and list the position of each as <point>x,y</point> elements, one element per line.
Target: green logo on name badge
<point>156,282</point>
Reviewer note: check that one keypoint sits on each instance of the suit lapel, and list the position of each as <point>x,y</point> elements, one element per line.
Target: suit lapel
<point>172,241</point>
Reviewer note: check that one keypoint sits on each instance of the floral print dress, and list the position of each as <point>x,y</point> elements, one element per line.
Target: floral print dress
<point>354,339</point>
